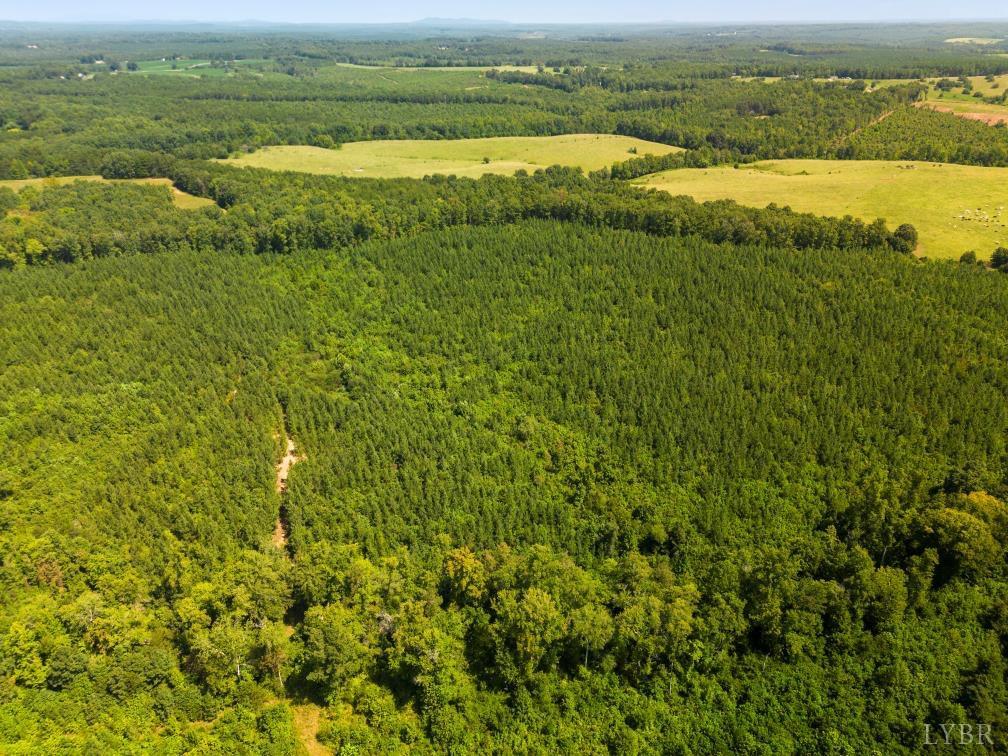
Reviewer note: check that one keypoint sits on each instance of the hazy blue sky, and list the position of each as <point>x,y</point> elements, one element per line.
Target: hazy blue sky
<point>514,10</point>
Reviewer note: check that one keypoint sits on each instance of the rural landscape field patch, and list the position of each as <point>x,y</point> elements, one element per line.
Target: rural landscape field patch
<point>954,207</point>
<point>194,67</point>
<point>461,157</point>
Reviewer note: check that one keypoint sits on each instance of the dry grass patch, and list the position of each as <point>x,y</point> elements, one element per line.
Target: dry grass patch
<point>415,158</point>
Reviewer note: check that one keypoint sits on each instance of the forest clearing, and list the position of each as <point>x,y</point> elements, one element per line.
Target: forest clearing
<point>417,158</point>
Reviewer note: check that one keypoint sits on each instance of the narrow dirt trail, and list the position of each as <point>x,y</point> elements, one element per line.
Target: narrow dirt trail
<point>308,716</point>
<point>847,137</point>
<point>289,459</point>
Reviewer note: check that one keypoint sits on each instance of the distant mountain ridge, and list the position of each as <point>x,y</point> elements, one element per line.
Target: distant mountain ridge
<point>436,21</point>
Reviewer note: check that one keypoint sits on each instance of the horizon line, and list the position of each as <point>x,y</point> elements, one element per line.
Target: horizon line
<point>502,22</point>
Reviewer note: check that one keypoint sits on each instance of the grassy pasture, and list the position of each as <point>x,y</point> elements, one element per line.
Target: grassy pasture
<point>973,41</point>
<point>524,69</point>
<point>954,207</point>
<point>194,67</point>
<point>180,198</point>
<point>968,106</point>
<point>461,157</point>
<point>987,88</point>
<point>874,84</point>
<point>368,80</point>
<point>980,84</point>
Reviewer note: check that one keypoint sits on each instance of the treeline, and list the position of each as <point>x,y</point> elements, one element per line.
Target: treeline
<point>77,127</point>
<point>277,212</point>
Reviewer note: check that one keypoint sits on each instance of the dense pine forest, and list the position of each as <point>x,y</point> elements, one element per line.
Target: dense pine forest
<point>570,467</point>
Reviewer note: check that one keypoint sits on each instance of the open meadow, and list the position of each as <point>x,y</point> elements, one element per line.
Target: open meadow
<point>955,208</point>
<point>193,67</point>
<point>461,157</point>
<point>386,69</point>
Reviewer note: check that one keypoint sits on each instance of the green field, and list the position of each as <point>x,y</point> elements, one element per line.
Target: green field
<point>962,104</point>
<point>954,207</point>
<point>523,69</point>
<point>192,67</point>
<point>973,40</point>
<point>461,157</point>
<point>180,198</point>
<point>990,88</point>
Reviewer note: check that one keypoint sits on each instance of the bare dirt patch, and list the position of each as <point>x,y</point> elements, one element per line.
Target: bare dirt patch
<point>289,459</point>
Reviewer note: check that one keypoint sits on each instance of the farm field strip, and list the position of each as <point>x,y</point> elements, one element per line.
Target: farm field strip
<point>462,157</point>
<point>973,41</point>
<point>363,67</point>
<point>955,208</point>
<point>192,67</point>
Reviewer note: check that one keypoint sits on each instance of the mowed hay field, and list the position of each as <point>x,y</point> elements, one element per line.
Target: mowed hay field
<point>180,198</point>
<point>415,158</point>
<point>954,207</point>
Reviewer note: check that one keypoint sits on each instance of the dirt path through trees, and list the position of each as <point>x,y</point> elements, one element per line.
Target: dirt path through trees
<point>307,716</point>
<point>289,459</point>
